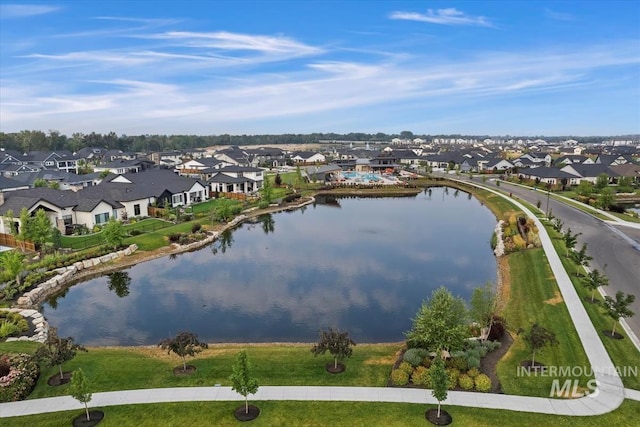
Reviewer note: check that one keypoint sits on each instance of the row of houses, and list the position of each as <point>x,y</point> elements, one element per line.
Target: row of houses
<point>123,196</point>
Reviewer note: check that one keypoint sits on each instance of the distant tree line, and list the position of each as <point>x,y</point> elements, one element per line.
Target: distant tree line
<point>36,140</point>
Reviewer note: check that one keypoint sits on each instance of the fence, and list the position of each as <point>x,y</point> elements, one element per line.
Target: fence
<point>9,240</point>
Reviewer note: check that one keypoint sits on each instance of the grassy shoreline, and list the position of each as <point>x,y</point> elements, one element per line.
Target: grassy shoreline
<point>292,363</point>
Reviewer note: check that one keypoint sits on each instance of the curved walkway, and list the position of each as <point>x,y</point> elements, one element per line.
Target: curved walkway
<point>582,406</point>
<point>609,394</point>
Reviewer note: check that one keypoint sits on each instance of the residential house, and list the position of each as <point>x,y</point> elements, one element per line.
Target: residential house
<point>236,179</point>
<point>588,172</point>
<point>234,155</point>
<point>613,159</point>
<point>547,175</point>
<point>323,173</point>
<point>307,157</point>
<point>121,166</point>
<point>9,184</point>
<point>200,168</point>
<point>629,170</point>
<point>168,188</point>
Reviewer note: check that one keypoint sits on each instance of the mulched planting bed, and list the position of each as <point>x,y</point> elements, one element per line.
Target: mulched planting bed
<point>55,380</point>
<point>615,336</point>
<point>94,418</point>
<point>432,416</point>
<point>241,414</point>
<point>180,371</point>
<point>332,369</point>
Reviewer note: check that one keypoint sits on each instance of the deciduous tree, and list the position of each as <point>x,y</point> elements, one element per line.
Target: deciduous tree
<point>537,337</point>
<point>439,381</point>
<point>80,389</point>
<point>618,308</point>
<point>337,343</point>
<point>184,344</point>
<point>241,379</point>
<point>56,351</point>
<point>483,306</point>
<point>594,280</point>
<point>114,233</point>
<point>441,323</point>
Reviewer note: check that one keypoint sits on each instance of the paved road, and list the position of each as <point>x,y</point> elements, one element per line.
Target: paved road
<point>616,247</point>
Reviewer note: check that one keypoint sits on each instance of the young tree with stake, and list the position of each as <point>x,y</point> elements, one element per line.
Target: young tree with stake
<point>241,379</point>
<point>618,308</point>
<point>80,389</point>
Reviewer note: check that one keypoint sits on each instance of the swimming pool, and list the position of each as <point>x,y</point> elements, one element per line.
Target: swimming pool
<point>361,175</point>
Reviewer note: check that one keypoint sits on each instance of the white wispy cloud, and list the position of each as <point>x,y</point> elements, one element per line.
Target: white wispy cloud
<point>186,91</point>
<point>449,16</point>
<point>560,16</point>
<point>8,11</point>
<point>234,41</point>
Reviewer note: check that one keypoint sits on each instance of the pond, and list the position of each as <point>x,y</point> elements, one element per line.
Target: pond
<point>359,264</point>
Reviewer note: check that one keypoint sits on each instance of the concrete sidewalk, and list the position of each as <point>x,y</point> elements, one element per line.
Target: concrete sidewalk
<point>580,407</point>
<point>609,394</point>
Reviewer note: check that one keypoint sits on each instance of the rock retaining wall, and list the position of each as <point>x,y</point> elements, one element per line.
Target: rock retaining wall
<point>64,275</point>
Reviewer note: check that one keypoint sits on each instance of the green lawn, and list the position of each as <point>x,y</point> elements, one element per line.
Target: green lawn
<point>338,414</point>
<point>622,352</point>
<point>94,239</point>
<point>149,367</point>
<point>535,297</point>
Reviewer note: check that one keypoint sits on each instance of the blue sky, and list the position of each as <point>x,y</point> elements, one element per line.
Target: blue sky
<point>241,67</point>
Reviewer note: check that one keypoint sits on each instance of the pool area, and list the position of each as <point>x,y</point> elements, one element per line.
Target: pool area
<point>368,178</point>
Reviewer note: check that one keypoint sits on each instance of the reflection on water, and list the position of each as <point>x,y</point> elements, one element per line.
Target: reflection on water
<point>365,267</point>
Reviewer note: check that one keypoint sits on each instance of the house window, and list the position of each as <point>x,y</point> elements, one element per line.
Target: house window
<point>67,219</point>
<point>102,218</point>
<point>136,210</point>
<point>176,199</point>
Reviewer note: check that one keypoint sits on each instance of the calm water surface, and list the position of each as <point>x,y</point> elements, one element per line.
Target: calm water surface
<point>364,265</point>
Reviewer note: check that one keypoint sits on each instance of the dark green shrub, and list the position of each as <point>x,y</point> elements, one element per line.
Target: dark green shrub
<point>497,329</point>
<point>174,237</point>
<point>22,377</point>
<point>421,376</point>
<point>483,383</point>
<point>415,356</point>
<point>399,377</point>
<point>459,363</point>
<point>465,382</point>
<point>426,362</point>
<point>196,227</point>
<point>135,232</point>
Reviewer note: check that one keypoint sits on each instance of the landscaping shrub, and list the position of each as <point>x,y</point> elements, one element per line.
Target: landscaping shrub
<point>483,383</point>
<point>458,363</point>
<point>415,356</point>
<point>497,329</point>
<point>426,362</point>
<point>196,227</point>
<point>12,324</point>
<point>7,329</point>
<point>406,367</point>
<point>21,377</point>
<point>452,375</point>
<point>465,382</point>
<point>135,232</point>
<point>421,376</point>
<point>473,372</point>
<point>399,377</point>
<point>174,237</point>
